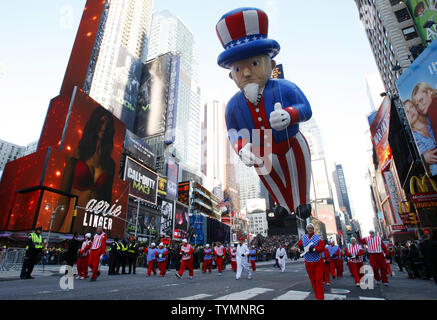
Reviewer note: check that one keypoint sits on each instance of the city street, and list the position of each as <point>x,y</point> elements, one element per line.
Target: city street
<point>267,283</point>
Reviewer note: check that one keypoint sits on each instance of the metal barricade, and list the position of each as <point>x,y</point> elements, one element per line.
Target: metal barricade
<point>12,259</point>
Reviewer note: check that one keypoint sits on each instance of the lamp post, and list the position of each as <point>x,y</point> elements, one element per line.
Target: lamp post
<point>51,220</point>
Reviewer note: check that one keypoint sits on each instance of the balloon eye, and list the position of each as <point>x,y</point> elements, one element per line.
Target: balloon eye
<point>237,69</point>
<point>255,63</point>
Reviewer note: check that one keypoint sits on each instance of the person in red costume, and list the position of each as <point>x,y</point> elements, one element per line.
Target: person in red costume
<point>313,246</point>
<point>326,267</point>
<point>377,250</point>
<point>340,264</point>
<point>233,255</point>
<point>219,252</point>
<point>187,259</point>
<point>207,258</point>
<point>82,261</point>
<point>89,172</point>
<point>98,249</point>
<point>355,254</point>
<point>334,253</point>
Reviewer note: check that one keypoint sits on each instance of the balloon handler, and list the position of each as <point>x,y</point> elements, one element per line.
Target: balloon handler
<point>263,118</point>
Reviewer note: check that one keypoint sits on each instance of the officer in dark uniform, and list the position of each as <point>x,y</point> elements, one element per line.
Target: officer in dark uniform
<point>33,251</point>
<point>114,254</point>
<point>132,254</point>
<point>123,256</point>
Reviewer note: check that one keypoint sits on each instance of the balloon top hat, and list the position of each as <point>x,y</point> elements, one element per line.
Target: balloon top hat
<point>243,34</point>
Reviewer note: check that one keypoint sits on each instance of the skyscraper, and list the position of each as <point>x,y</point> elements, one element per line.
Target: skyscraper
<point>392,35</point>
<point>342,191</point>
<point>170,34</point>
<point>114,79</point>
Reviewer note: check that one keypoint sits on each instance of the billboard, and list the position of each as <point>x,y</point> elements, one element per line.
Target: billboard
<point>417,90</point>
<point>170,126</point>
<point>139,149</point>
<point>162,186</point>
<point>379,129</point>
<point>424,14</point>
<point>181,222</point>
<point>184,192</point>
<point>172,178</point>
<point>142,181</point>
<point>167,210</point>
<point>326,214</point>
<point>278,72</point>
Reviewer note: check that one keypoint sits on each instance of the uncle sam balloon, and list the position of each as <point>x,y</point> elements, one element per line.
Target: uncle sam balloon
<point>263,118</point>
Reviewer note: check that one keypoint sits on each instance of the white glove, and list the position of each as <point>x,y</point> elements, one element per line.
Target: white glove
<point>248,158</point>
<point>279,119</point>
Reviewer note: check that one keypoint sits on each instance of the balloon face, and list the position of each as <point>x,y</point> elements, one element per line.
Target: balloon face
<point>255,70</point>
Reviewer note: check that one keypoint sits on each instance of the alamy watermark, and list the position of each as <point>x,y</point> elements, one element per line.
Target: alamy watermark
<point>67,281</point>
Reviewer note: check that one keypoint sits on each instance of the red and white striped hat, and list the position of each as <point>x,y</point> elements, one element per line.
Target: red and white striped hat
<point>243,33</point>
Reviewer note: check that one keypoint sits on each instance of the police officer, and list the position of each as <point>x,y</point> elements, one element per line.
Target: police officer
<point>33,250</point>
<point>114,253</point>
<point>123,256</point>
<point>132,255</point>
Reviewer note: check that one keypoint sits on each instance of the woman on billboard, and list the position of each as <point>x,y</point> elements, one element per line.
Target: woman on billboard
<point>423,134</point>
<point>89,173</point>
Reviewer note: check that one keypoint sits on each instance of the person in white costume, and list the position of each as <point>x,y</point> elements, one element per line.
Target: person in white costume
<point>281,255</point>
<point>242,260</point>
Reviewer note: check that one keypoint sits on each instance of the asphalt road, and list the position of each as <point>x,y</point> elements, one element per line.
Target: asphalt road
<point>267,283</point>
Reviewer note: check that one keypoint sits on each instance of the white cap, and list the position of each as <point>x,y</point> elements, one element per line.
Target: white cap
<point>161,244</point>
<point>207,245</point>
<point>153,244</point>
<point>353,238</point>
<point>88,235</point>
<point>184,241</point>
<point>371,230</point>
<point>310,224</point>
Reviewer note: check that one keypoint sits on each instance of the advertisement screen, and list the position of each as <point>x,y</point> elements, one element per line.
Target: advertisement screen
<point>167,210</point>
<point>184,193</point>
<point>320,179</point>
<point>379,130</point>
<point>417,90</point>
<point>326,214</point>
<point>170,125</point>
<point>139,149</point>
<point>172,178</point>
<point>424,14</point>
<point>181,222</point>
<point>142,181</point>
<point>162,186</point>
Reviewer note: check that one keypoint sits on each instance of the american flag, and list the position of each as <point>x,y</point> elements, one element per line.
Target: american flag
<point>225,203</point>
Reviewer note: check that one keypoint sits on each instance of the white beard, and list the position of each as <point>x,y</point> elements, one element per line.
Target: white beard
<point>251,92</point>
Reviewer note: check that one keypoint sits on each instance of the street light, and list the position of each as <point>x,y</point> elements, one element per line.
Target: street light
<point>51,220</point>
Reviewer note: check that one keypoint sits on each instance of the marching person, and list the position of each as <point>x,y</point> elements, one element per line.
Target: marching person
<point>82,261</point>
<point>334,253</point>
<point>132,255</point>
<point>376,249</point>
<point>233,255</point>
<point>281,256</point>
<point>388,262</point>
<point>114,253</point>
<point>70,256</point>
<point>219,252</point>
<point>33,251</point>
<point>252,257</point>
<point>355,253</point>
<point>340,262</point>
<point>242,254</point>
<point>313,259</point>
<point>207,262</point>
<point>187,259</point>
<point>162,257</point>
<point>326,267</point>
<point>98,249</point>
<point>151,256</point>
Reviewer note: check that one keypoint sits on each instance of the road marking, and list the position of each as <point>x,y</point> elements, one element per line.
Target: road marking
<point>329,296</point>
<point>370,298</point>
<point>44,292</point>
<point>244,295</point>
<point>333,290</point>
<point>293,295</point>
<point>115,290</point>
<point>171,285</point>
<point>196,297</point>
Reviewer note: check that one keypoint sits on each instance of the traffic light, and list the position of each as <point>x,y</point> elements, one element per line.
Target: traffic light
<point>413,218</point>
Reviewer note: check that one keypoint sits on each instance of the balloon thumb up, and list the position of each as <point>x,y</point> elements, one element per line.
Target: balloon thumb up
<point>278,106</point>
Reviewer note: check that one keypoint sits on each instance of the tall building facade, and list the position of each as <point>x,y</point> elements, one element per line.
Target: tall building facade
<point>170,34</point>
<point>393,37</point>
<point>9,152</point>
<point>114,80</point>
<point>342,190</point>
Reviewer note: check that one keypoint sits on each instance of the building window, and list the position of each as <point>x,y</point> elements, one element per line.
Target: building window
<point>394,2</point>
<point>402,15</point>
<point>409,33</point>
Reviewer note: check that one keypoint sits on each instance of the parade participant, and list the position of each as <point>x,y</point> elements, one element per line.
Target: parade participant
<point>242,254</point>
<point>252,257</point>
<point>70,256</point>
<point>162,257</point>
<point>313,259</point>
<point>334,253</point>
<point>355,253</point>
<point>340,265</point>
<point>388,262</point>
<point>219,252</point>
<point>33,251</point>
<point>82,261</point>
<point>151,257</point>
<point>376,249</point>
<point>114,257</point>
<point>98,249</point>
<point>326,267</point>
<point>281,256</point>
<point>233,255</point>
<point>263,118</point>
<point>207,262</point>
<point>132,255</point>
<point>187,259</point>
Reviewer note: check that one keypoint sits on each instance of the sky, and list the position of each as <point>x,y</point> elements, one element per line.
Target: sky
<point>324,51</point>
